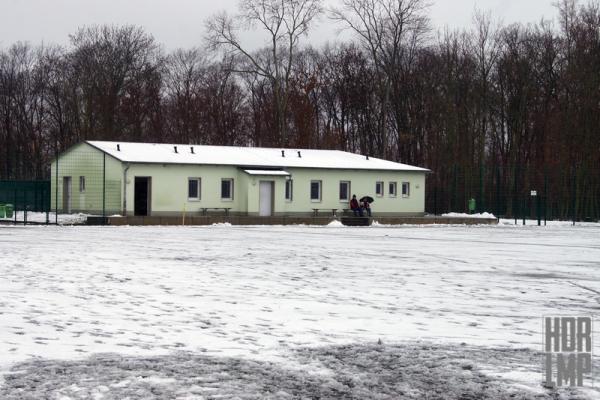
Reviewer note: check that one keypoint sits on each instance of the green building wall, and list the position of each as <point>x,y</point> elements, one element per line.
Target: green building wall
<point>83,160</point>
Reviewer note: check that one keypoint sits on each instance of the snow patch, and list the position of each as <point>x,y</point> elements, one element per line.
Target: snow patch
<point>260,292</point>
<point>335,224</point>
<point>533,222</point>
<point>484,215</point>
<point>40,217</point>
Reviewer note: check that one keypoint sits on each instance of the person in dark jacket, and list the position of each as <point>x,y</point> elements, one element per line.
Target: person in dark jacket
<point>355,206</point>
<point>367,207</point>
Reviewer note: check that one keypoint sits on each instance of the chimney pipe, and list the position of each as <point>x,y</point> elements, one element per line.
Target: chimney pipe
<point>367,157</point>
<point>192,149</point>
<point>118,147</point>
<point>282,153</point>
<point>175,147</point>
<point>299,154</point>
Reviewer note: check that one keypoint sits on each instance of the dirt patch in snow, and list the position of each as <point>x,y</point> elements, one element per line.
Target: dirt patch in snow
<point>377,371</point>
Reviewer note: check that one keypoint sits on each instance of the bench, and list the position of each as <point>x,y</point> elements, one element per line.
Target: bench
<point>225,209</point>
<point>316,211</point>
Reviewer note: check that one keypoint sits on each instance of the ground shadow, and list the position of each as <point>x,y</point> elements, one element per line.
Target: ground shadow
<point>376,371</point>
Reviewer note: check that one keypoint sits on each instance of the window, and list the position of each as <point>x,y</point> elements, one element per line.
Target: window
<point>344,190</point>
<point>379,189</point>
<point>315,191</point>
<point>405,189</point>
<point>289,188</point>
<point>392,189</point>
<point>194,187</point>
<point>82,184</point>
<point>226,189</point>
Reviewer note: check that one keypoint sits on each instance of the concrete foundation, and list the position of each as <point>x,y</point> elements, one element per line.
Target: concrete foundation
<point>286,220</point>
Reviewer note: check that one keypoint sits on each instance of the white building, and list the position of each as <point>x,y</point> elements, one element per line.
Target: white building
<point>170,179</point>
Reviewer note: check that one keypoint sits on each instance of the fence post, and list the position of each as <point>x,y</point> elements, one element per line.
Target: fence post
<point>523,211</point>
<point>538,209</point>
<point>455,189</point>
<point>103,188</point>
<point>574,194</point>
<point>435,189</point>
<point>56,184</point>
<point>497,191</point>
<point>515,199</point>
<point>24,206</point>
<point>481,205</point>
<point>15,204</point>
<point>545,195</point>
<point>46,208</point>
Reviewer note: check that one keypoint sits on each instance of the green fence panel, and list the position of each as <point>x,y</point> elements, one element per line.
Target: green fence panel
<point>26,195</point>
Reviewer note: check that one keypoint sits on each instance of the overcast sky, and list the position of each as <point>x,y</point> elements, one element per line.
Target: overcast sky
<point>180,23</point>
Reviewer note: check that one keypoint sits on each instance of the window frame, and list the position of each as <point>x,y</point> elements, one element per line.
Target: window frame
<point>407,184</point>
<point>198,181</point>
<point>393,193</point>
<point>320,183</point>
<point>81,184</point>
<point>289,191</point>
<point>347,199</point>
<point>382,183</point>
<point>231,186</point>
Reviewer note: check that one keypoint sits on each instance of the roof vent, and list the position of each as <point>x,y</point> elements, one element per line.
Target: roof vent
<point>299,154</point>
<point>118,147</point>
<point>192,150</point>
<point>175,147</point>
<point>282,153</point>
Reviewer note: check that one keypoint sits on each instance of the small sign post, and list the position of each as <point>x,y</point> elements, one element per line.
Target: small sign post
<point>537,206</point>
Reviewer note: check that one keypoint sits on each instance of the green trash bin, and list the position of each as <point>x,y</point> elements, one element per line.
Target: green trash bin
<point>472,206</point>
<point>2,211</point>
<point>8,210</point>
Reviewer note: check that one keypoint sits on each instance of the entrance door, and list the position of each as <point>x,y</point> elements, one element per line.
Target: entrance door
<point>265,199</point>
<point>141,196</point>
<point>67,186</point>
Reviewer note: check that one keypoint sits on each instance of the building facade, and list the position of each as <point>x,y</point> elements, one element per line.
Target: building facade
<point>167,180</point>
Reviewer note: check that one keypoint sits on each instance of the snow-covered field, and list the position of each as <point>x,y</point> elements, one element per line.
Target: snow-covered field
<point>288,312</point>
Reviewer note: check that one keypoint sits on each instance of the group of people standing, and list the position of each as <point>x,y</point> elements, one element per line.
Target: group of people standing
<point>360,208</point>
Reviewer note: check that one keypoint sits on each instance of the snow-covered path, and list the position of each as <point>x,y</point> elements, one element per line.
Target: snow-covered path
<point>262,292</point>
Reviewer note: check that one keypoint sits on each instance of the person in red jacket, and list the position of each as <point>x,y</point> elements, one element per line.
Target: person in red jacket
<point>355,206</point>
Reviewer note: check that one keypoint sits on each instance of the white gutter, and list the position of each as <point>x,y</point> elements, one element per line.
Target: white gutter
<point>125,189</point>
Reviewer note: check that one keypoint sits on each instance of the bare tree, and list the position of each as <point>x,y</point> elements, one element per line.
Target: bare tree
<point>391,32</point>
<point>284,22</point>
<point>184,75</point>
<point>485,46</point>
<point>111,64</point>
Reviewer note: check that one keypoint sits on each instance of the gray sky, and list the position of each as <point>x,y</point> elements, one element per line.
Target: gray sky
<point>180,23</point>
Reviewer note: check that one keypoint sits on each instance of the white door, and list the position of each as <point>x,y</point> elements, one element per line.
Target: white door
<point>265,199</point>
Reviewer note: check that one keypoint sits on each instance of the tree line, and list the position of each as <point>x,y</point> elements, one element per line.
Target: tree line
<point>493,110</point>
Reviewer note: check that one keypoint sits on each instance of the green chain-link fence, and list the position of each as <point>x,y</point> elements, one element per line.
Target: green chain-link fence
<point>22,199</point>
<point>79,183</point>
<point>510,191</point>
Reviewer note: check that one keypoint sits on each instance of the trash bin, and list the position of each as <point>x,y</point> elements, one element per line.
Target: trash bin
<point>2,211</point>
<point>472,206</point>
<point>8,210</point>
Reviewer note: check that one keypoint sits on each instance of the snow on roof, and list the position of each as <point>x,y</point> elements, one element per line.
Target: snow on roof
<point>256,157</point>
